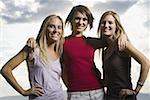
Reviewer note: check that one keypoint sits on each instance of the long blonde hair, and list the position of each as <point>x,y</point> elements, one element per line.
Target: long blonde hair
<point>42,39</point>
<point>119,29</point>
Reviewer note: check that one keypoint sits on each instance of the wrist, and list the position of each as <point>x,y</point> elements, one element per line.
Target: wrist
<point>23,92</point>
<point>138,87</point>
<point>140,84</point>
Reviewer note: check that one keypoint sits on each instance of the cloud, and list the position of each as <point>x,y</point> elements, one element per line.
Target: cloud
<point>119,6</point>
<point>145,6</point>
<point>145,3</point>
<point>14,11</point>
<point>18,11</point>
<point>30,10</point>
<point>147,24</point>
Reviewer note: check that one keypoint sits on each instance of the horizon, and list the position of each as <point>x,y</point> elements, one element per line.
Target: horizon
<point>21,19</point>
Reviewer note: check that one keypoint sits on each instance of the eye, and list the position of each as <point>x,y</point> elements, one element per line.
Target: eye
<point>50,26</point>
<point>77,18</point>
<point>110,22</point>
<point>84,19</point>
<point>59,27</point>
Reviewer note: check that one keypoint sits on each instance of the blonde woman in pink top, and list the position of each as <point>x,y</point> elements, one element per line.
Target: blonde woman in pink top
<point>43,63</point>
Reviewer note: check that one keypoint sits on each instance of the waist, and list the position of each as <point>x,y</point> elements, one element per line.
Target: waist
<point>84,87</point>
<point>83,82</point>
<point>87,92</point>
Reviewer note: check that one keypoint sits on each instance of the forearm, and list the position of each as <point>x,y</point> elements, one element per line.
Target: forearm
<point>7,69</point>
<point>97,43</point>
<point>7,74</point>
<point>142,77</point>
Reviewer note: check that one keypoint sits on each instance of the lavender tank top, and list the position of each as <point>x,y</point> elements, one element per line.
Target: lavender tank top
<point>45,75</point>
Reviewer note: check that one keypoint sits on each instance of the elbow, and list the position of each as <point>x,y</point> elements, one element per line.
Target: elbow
<point>1,71</point>
<point>146,66</point>
<point>4,71</point>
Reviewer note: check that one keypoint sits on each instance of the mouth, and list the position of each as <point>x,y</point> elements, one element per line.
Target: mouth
<point>80,26</point>
<point>54,35</point>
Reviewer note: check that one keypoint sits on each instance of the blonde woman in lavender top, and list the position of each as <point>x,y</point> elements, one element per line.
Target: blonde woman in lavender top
<point>42,62</point>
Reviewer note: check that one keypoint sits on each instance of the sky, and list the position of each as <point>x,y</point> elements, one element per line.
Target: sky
<point>21,19</point>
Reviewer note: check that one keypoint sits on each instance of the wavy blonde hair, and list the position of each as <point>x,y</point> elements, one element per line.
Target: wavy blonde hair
<point>42,38</point>
<point>119,29</point>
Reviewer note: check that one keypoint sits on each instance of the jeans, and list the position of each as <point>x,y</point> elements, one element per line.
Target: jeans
<point>87,95</point>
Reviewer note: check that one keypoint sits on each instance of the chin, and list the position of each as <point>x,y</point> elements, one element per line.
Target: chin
<point>107,34</point>
<point>80,29</point>
<point>55,39</point>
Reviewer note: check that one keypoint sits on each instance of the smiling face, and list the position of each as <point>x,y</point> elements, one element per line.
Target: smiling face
<point>54,28</point>
<point>108,26</point>
<point>79,23</point>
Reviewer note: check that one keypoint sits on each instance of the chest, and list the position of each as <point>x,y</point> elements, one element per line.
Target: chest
<point>78,48</point>
<point>116,62</point>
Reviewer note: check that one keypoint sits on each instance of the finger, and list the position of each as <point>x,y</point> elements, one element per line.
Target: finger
<point>38,88</point>
<point>121,45</point>
<point>33,43</point>
<point>122,92</point>
<point>130,92</point>
<point>38,92</point>
<point>29,42</point>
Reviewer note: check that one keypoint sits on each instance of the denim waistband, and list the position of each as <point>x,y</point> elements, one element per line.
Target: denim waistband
<point>86,92</point>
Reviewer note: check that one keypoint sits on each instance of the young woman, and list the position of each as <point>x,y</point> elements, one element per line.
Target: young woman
<point>116,64</point>
<point>79,73</point>
<point>78,58</point>
<point>43,63</point>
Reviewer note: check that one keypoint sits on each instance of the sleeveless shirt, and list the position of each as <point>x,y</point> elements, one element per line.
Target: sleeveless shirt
<point>117,73</point>
<point>45,75</point>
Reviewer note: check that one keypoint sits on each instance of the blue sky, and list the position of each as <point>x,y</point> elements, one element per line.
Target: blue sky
<point>21,19</point>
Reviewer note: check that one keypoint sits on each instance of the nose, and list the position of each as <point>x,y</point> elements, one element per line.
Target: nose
<point>106,24</point>
<point>81,22</point>
<point>55,29</point>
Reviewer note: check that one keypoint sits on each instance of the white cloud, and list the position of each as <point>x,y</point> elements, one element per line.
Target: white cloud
<point>31,4</point>
<point>14,36</point>
<point>23,2</point>
<point>89,3</point>
<point>2,6</point>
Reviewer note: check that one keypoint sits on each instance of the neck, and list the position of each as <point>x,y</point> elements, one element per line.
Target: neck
<point>110,42</point>
<point>77,34</point>
<point>51,46</point>
<point>50,42</point>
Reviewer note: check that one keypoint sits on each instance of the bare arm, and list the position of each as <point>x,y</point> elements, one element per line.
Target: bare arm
<point>7,69</point>
<point>142,60</point>
<point>122,40</point>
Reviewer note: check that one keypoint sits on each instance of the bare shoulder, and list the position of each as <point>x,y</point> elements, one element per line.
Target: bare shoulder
<point>130,48</point>
<point>135,53</point>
